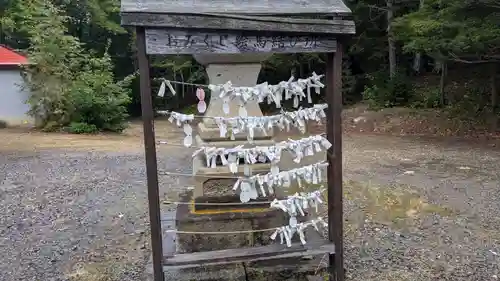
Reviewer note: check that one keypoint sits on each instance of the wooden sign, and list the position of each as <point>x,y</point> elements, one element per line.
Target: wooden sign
<point>162,41</point>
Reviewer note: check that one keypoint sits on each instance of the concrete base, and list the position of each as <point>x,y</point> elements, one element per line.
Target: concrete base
<point>203,242</point>
<point>227,221</point>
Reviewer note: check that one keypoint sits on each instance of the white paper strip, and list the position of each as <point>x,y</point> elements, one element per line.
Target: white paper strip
<point>297,204</point>
<point>269,181</point>
<point>286,232</point>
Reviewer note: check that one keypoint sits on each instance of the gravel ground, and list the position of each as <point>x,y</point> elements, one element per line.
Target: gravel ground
<point>461,242</point>
<point>82,216</point>
<point>74,215</point>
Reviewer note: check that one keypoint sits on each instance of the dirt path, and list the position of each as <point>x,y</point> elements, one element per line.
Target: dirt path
<point>75,213</point>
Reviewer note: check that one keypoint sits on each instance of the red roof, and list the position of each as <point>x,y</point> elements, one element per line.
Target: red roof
<point>11,57</point>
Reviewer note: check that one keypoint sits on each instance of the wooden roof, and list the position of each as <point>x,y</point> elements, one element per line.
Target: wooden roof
<point>289,16</point>
<point>243,7</point>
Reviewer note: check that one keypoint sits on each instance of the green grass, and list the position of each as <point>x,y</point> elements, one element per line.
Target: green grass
<point>388,204</point>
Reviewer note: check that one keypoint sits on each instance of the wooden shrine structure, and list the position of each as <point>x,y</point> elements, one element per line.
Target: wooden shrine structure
<point>227,36</point>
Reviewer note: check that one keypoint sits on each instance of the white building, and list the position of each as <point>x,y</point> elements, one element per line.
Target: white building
<point>13,107</point>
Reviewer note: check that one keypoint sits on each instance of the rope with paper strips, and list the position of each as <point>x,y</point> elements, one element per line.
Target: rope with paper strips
<point>285,232</point>
<point>284,90</point>
<point>310,174</point>
<point>235,125</point>
<point>260,154</point>
<point>296,204</point>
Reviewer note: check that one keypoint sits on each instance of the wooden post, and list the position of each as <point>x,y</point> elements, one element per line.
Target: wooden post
<point>334,134</point>
<point>150,152</point>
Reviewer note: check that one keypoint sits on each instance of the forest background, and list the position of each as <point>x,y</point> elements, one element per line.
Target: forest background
<point>435,61</point>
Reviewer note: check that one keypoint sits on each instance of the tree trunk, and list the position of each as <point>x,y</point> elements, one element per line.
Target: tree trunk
<point>183,89</point>
<point>176,97</point>
<point>301,69</point>
<point>417,61</point>
<point>293,69</point>
<point>494,96</point>
<point>494,92</point>
<point>390,40</point>
<point>442,83</point>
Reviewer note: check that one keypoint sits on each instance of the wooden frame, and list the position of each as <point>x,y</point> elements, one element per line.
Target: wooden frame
<point>150,153</point>
<point>334,135</point>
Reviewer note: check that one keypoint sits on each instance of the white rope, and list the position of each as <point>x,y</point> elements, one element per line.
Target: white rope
<point>291,89</point>
<point>216,204</point>
<point>206,86</point>
<point>282,113</point>
<point>277,230</point>
<point>164,142</point>
<point>203,176</point>
<point>182,83</point>
<point>296,196</point>
<point>221,232</point>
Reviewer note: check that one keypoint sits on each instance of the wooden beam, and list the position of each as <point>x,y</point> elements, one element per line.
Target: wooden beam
<point>150,154</point>
<point>334,135</point>
<point>164,41</point>
<point>238,22</point>
<point>231,256</point>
